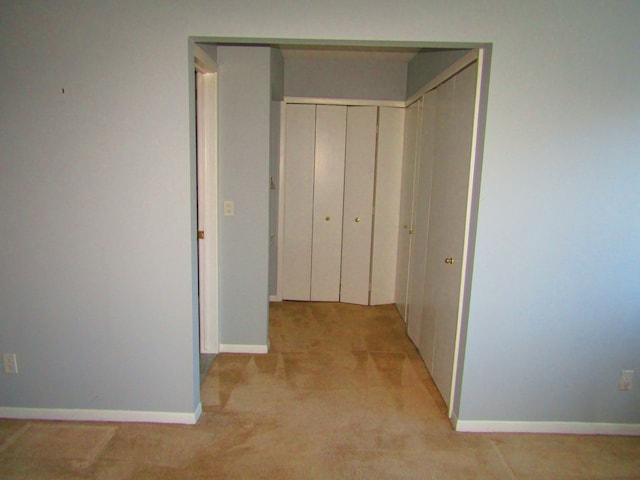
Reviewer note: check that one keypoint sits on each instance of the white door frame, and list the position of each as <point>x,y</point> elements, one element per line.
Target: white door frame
<point>207,148</point>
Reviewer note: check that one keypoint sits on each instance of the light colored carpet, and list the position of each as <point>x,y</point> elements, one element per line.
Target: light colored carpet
<point>73,446</point>
<point>343,394</point>
<point>206,360</point>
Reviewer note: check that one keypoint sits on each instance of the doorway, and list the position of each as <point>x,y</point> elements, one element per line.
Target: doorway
<point>370,48</point>
<point>206,133</point>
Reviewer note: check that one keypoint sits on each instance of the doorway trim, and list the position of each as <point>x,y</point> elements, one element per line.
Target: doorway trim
<point>206,86</point>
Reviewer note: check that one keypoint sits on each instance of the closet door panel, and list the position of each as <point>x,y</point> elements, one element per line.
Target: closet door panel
<point>440,104</point>
<point>406,206</point>
<point>360,162</point>
<point>450,222</point>
<point>427,138</point>
<point>327,204</point>
<point>298,202</point>
<point>387,205</point>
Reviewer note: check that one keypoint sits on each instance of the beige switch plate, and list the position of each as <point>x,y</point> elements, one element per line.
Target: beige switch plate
<point>228,208</point>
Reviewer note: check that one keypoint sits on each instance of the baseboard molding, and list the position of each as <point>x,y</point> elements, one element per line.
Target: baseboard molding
<point>577,428</point>
<point>235,348</point>
<point>454,420</point>
<point>275,298</point>
<point>86,415</point>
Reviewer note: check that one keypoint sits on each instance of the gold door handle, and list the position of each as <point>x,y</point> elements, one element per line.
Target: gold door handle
<point>200,234</point>
<point>357,219</point>
<point>449,261</point>
<point>408,226</point>
<point>327,218</point>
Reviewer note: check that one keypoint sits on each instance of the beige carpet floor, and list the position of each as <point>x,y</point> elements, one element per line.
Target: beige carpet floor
<point>342,394</point>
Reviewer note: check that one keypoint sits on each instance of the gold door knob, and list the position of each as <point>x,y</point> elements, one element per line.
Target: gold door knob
<point>407,226</point>
<point>200,234</point>
<point>449,261</point>
<point>357,219</point>
<point>327,218</point>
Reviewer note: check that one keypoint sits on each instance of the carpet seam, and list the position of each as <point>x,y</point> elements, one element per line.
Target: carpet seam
<point>503,460</point>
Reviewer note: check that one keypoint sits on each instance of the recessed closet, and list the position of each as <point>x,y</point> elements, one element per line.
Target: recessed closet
<point>342,163</point>
<point>376,204</point>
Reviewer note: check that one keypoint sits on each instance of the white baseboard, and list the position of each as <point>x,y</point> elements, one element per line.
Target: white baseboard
<point>86,415</point>
<point>578,428</point>
<point>210,351</point>
<point>275,298</point>
<point>454,420</point>
<point>234,348</point>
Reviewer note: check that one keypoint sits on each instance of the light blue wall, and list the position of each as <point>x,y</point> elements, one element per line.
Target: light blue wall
<point>425,66</point>
<point>555,303</point>
<point>244,147</point>
<point>315,76</point>
<point>211,50</point>
<point>277,75</point>
<point>95,209</point>
<point>95,204</point>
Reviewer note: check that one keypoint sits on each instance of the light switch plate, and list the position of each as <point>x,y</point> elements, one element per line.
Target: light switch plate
<point>228,208</point>
<point>10,363</point>
<point>625,383</point>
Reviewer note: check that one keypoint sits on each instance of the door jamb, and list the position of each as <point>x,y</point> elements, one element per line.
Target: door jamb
<point>207,121</point>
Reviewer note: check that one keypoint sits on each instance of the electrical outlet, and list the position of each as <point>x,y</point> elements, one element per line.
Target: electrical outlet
<point>626,380</point>
<point>10,363</point>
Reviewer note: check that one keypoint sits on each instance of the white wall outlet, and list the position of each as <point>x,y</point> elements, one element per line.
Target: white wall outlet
<point>10,363</point>
<point>228,208</point>
<point>626,380</point>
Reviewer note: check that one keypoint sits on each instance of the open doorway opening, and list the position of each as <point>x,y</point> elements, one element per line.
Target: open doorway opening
<point>421,190</point>
<point>343,74</point>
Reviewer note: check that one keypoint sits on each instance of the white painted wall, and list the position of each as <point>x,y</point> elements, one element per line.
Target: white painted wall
<point>96,224</point>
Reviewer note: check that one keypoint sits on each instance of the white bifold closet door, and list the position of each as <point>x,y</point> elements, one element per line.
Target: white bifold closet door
<point>360,163</point>
<point>300,128</point>
<point>333,250</point>
<point>384,250</point>
<point>449,200</point>
<point>420,216</point>
<point>405,227</point>
<point>328,188</point>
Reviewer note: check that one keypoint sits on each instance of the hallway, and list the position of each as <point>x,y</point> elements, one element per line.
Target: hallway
<point>342,394</point>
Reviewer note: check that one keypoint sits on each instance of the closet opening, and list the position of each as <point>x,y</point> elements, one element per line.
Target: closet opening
<point>366,186</point>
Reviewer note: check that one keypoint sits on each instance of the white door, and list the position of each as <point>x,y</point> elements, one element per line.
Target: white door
<point>384,250</point>
<point>300,133</point>
<point>327,205</point>
<point>406,206</point>
<point>421,209</point>
<point>207,192</point>
<point>359,172</point>
<point>447,229</point>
